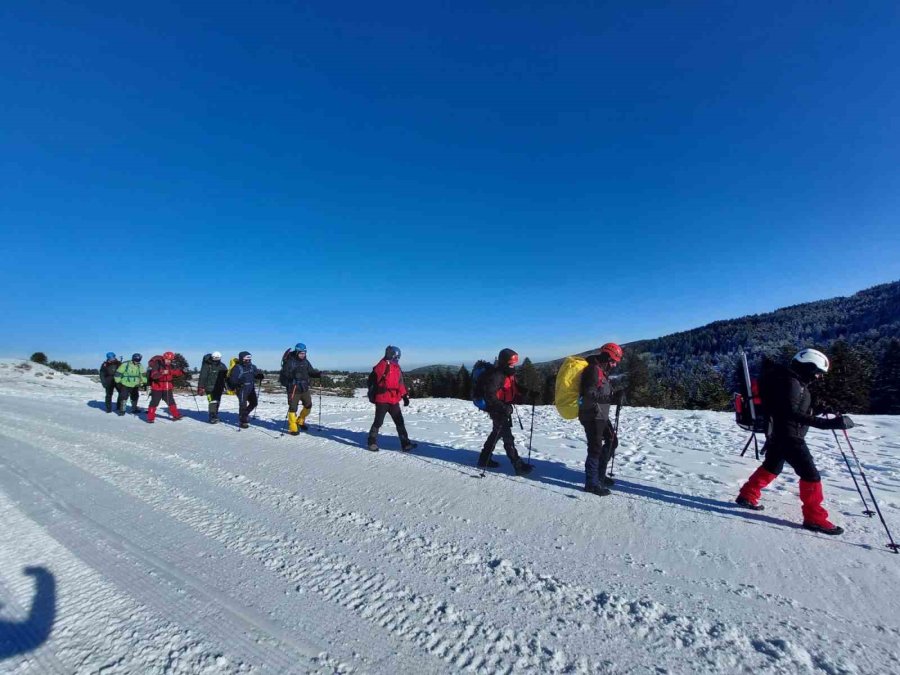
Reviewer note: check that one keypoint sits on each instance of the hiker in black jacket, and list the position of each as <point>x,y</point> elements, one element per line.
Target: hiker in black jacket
<point>243,381</point>
<point>108,377</point>
<point>788,401</point>
<point>212,383</point>
<point>501,391</point>
<point>296,371</point>
<point>596,395</point>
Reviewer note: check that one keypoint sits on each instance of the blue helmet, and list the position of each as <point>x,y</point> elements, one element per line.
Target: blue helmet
<point>392,353</point>
<point>110,355</point>
<point>299,347</point>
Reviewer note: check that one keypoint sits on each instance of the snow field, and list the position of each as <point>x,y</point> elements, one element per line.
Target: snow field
<point>195,548</point>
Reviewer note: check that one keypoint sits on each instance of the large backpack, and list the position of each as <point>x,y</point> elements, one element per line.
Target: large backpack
<point>749,407</point>
<point>284,377</point>
<point>568,386</point>
<point>480,371</point>
<point>231,365</point>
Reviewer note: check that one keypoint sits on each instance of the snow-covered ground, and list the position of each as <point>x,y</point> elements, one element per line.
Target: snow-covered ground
<point>190,548</point>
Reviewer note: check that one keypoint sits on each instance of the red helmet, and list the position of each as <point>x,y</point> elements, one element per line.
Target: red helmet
<point>612,350</point>
<point>168,356</point>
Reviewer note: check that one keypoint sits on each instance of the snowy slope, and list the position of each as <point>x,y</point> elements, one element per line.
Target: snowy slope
<point>189,548</point>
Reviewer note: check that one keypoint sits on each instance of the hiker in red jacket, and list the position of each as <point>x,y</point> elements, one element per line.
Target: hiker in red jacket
<point>162,372</point>
<point>500,393</point>
<point>390,390</point>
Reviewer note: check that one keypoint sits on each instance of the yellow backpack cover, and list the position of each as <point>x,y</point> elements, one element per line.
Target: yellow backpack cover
<point>231,364</point>
<point>568,386</point>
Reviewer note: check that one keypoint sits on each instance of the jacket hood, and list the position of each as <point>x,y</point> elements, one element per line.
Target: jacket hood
<point>242,355</point>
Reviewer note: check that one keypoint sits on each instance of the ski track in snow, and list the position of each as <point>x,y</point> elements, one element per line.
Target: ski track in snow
<point>191,548</point>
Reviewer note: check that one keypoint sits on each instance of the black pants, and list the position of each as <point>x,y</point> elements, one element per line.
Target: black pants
<point>296,395</point>
<point>795,452</point>
<point>167,396</point>
<point>502,428</point>
<point>110,388</point>
<point>126,393</point>
<point>599,451</point>
<point>247,399</point>
<point>382,409</point>
<point>213,399</point>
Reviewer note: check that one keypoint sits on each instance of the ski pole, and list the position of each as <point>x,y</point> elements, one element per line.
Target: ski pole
<point>894,547</point>
<point>320,405</point>
<point>866,510</point>
<point>531,433</point>
<point>521,426</point>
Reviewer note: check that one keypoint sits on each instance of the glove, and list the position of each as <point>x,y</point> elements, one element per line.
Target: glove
<point>614,441</point>
<point>846,422</point>
<point>259,376</point>
<point>201,391</point>
<point>405,401</point>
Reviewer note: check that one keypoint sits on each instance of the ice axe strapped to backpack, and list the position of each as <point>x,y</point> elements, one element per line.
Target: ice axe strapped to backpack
<point>749,412</point>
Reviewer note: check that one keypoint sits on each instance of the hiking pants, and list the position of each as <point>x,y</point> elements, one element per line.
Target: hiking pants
<point>247,399</point>
<point>502,428</point>
<point>382,409</point>
<point>156,396</point>
<point>795,452</point>
<point>125,393</point>
<point>110,388</point>
<point>296,396</point>
<point>599,451</point>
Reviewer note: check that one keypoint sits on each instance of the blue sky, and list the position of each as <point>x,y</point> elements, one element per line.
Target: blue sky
<point>446,177</point>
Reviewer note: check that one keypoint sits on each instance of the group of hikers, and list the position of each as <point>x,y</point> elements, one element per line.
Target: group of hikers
<point>785,389</point>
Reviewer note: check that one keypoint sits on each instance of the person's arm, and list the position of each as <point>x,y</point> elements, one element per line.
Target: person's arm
<point>492,384</point>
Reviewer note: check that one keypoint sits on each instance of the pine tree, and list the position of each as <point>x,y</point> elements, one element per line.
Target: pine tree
<point>180,363</point>
<point>528,377</point>
<point>847,386</point>
<point>463,384</point>
<point>886,388</point>
<point>39,357</point>
<point>637,379</point>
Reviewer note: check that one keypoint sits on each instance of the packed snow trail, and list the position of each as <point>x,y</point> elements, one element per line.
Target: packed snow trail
<point>186,547</point>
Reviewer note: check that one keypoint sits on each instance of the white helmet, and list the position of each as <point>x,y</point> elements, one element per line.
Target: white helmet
<point>217,355</point>
<point>815,357</point>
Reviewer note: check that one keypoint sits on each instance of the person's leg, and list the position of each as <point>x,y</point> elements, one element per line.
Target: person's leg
<point>380,411</point>
<point>397,416</point>
<point>484,459</point>
<point>306,399</point>
<point>592,432</point>
<point>765,473</point>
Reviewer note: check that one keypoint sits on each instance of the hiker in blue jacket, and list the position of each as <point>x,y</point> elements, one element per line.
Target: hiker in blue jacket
<point>243,381</point>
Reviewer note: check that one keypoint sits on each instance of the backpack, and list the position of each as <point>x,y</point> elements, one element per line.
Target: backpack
<point>568,386</point>
<point>231,365</point>
<point>479,378</point>
<point>373,385</point>
<point>284,377</point>
<point>749,410</point>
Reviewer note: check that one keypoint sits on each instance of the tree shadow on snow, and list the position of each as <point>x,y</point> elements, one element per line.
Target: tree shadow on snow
<point>18,637</point>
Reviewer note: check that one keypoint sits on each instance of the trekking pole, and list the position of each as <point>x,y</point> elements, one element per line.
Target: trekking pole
<point>531,433</point>
<point>521,426</point>
<point>320,405</point>
<point>894,547</point>
<point>612,465</point>
<point>866,510</point>
<point>196,405</point>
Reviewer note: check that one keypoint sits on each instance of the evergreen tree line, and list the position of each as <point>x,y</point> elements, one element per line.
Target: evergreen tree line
<point>858,382</point>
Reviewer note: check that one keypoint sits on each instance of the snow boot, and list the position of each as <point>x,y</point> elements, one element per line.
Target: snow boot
<point>301,420</point>
<point>490,464</point>
<point>151,415</point>
<point>607,481</point>
<point>109,407</point>
<point>373,447</point>
<point>213,412</point>
<point>833,530</point>
<point>747,504</point>
<point>120,413</point>
<point>815,517</point>
<point>292,424</point>
<point>245,425</point>
<point>752,489</point>
<point>523,469</point>
<point>408,446</point>
<point>598,490</point>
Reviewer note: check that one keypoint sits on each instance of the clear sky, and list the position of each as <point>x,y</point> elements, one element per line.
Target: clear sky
<point>443,176</point>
